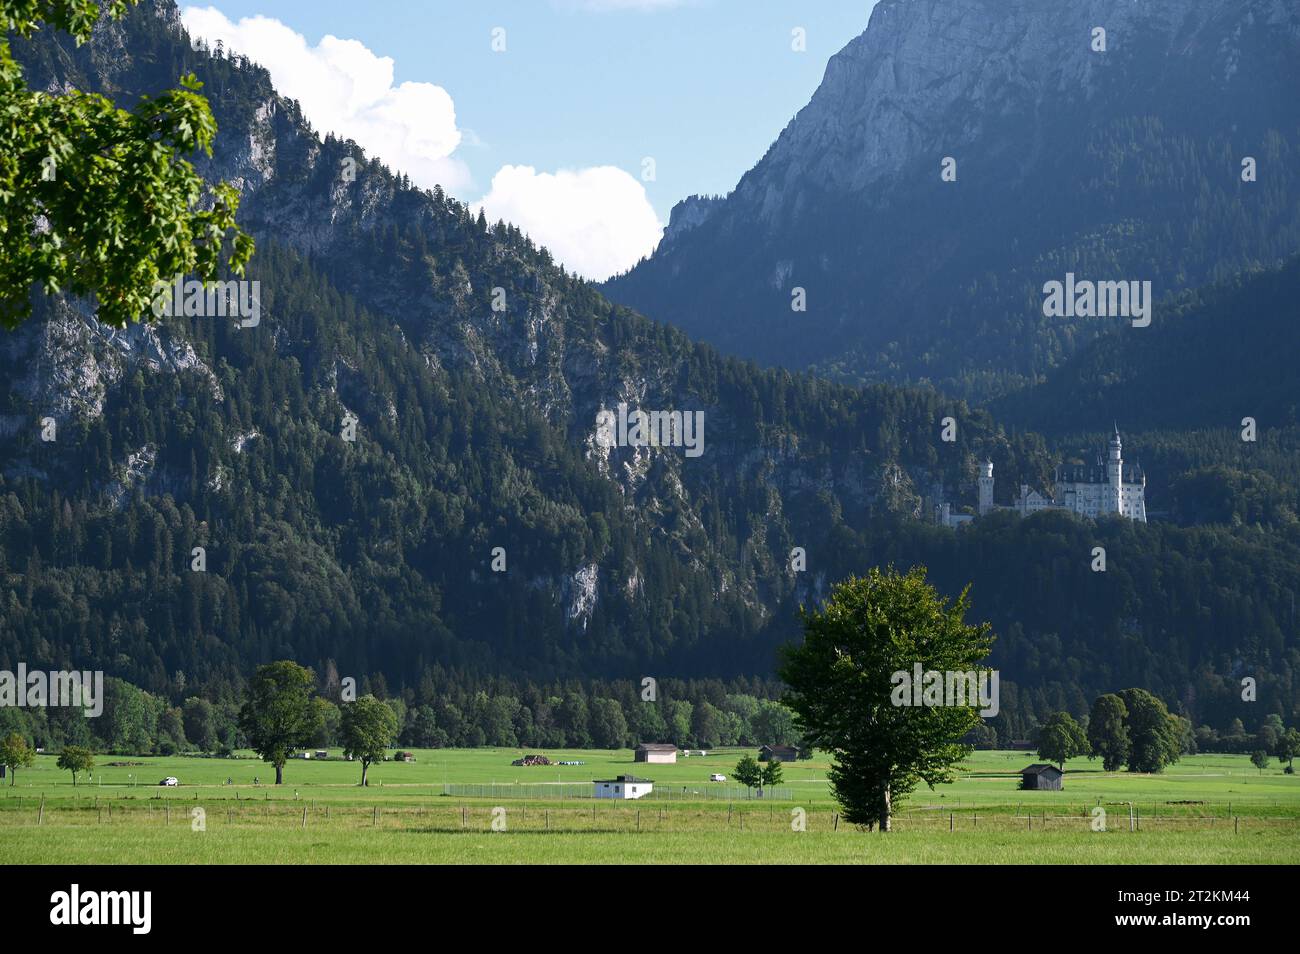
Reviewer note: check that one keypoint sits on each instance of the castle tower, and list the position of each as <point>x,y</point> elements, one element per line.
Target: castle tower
<point>986,487</point>
<point>1115,476</point>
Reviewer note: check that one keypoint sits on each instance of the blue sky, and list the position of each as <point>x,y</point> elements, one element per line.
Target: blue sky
<point>701,86</point>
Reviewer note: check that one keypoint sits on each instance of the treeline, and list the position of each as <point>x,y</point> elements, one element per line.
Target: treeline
<point>434,714</point>
<point>1134,729</point>
<point>442,710</point>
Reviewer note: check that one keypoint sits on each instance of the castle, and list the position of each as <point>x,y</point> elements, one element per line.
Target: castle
<point>1094,491</point>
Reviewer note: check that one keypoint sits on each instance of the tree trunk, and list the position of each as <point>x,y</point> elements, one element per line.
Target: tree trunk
<point>279,773</point>
<point>365,767</point>
<point>886,807</point>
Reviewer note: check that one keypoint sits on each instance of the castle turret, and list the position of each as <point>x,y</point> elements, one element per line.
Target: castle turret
<point>1115,475</point>
<point>986,487</point>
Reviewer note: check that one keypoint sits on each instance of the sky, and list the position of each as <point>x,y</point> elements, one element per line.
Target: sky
<point>581,121</point>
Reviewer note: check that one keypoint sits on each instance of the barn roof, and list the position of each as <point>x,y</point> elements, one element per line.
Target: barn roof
<point>657,747</point>
<point>1038,768</point>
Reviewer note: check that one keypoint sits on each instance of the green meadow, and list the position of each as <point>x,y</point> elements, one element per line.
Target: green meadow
<point>1205,809</point>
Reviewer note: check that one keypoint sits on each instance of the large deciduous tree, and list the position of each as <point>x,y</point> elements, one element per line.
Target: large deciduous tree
<point>367,728</point>
<point>279,714</point>
<point>1108,731</point>
<point>1156,735</point>
<point>1061,738</point>
<point>16,753</point>
<point>841,683</point>
<point>98,200</point>
<point>76,759</point>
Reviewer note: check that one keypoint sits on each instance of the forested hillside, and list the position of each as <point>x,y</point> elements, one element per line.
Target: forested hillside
<point>475,430</point>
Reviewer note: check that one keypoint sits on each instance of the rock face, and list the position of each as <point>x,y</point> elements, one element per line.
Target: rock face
<point>689,213</point>
<point>1064,152</point>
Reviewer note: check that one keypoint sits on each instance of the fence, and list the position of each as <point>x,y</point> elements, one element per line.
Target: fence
<point>596,815</point>
<point>545,791</point>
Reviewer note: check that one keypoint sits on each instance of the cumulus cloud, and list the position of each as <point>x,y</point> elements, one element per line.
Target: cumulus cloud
<point>346,89</point>
<point>597,221</point>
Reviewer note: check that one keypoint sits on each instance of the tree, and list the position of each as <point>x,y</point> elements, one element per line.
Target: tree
<point>279,714</point>
<point>367,728</point>
<point>119,207</point>
<point>773,724</point>
<point>748,772</point>
<point>707,725</point>
<point>1259,759</point>
<point>772,773</point>
<point>1155,734</point>
<point>1062,738</point>
<point>608,724</point>
<point>200,723</point>
<point>1108,731</point>
<point>1288,747</point>
<point>16,753</point>
<point>76,758</point>
<point>844,682</point>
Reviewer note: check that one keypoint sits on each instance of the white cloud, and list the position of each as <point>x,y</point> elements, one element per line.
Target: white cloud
<point>346,89</point>
<point>597,221</point>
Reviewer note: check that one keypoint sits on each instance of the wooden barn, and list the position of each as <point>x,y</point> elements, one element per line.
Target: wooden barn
<point>780,753</point>
<point>1041,777</point>
<point>661,753</point>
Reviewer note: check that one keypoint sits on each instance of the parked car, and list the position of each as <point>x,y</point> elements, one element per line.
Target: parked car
<point>715,777</point>
<point>170,781</point>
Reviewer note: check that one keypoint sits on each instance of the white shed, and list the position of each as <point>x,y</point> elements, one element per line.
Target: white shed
<point>624,786</point>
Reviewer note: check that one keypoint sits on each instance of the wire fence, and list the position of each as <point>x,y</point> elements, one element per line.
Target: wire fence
<point>545,791</point>
<point>602,815</point>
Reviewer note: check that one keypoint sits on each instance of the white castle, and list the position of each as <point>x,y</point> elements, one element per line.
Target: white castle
<point>1094,491</point>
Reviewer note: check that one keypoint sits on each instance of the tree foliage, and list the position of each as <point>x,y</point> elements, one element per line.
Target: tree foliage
<point>96,199</point>
<point>76,759</point>
<point>842,689</point>
<point>279,714</point>
<point>367,728</point>
<point>1108,736</point>
<point>1061,738</point>
<point>15,753</point>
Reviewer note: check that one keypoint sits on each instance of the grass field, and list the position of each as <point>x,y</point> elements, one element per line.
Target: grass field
<point>1206,809</point>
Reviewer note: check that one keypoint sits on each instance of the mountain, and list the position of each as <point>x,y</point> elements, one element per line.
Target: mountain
<point>1122,164</point>
<point>1210,358</point>
<point>477,429</point>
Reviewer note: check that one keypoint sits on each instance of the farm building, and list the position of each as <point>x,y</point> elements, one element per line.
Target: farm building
<point>624,786</point>
<point>1040,777</point>
<point>782,753</point>
<point>656,752</point>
